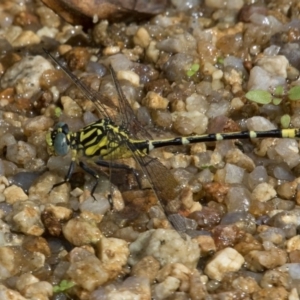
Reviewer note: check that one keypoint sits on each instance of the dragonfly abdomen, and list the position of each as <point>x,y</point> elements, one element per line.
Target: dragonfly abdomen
<point>214,137</point>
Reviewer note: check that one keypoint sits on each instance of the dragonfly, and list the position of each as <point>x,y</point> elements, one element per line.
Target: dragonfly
<point>122,136</point>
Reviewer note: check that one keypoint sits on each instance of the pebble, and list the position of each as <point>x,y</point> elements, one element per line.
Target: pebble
<point>231,174</point>
<point>183,6</point>
<point>21,153</point>
<point>14,194</point>
<point>59,212</point>
<point>147,267</point>
<point>155,101</point>
<point>198,285</point>
<point>9,294</point>
<point>11,33</point>
<point>39,123</point>
<point>25,74</point>
<point>275,65</point>
<point>133,288</point>
<point>152,53</point>
<point>196,102</point>
<point>287,190</point>
<point>257,176</point>
<point>26,38</point>
<point>206,244</point>
<point>26,218</point>
<point>166,246</point>
<point>246,284</point>
<point>40,290</point>
<point>206,217</point>
<point>113,253</point>
<point>258,123</point>
<point>131,76</point>
<point>142,37</point>
<point>177,66</point>
<point>271,293</point>
<point>263,192</point>
<point>275,278</point>
<point>8,262</point>
<point>71,108</point>
<point>238,158</point>
<point>288,150</point>
<point>42,190</point>
<point>187,123</point>
<point>286,220</point>
<point>37,244</point>
<point>180,43</point>
<point>236,4</point>
<point>260,79</point>
<point>257,260</point>
<point>224,261</point>
<point>293,244</point>
<point>30,286</point>
<point>271,234</point>
<point>120,62</point>
<point>237,199</point>
<point>79,231</point>
<point>178,271</point>
<point>85,262</point>
<point>166,288</point>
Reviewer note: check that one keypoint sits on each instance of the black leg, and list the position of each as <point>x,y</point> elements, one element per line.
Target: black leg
<point>68,176</point>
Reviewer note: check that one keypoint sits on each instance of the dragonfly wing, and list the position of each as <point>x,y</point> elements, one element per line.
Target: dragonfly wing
<point>129,119</point>
<point>100,100</point>
<point>165,187</point>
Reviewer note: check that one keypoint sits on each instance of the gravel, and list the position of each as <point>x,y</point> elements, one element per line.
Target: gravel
<point>185,71</point>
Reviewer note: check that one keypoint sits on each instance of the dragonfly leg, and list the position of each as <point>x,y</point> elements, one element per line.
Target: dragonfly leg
<point>92,173</point>
<point>68,176</point>
<point>104,163</point>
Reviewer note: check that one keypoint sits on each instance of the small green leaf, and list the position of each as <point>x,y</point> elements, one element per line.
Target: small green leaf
<point>57,112</point>
<point>294,93</point>
<point>276,101</point>
<point>259,96</point>
<point>63,286</point>
<point>193,69</point>
<point>220,60</point>
<point>279,90</point>
<point>190,73</point>
<point>285,121</point>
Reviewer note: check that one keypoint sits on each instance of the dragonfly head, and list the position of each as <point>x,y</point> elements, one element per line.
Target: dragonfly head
<point>58,140</point>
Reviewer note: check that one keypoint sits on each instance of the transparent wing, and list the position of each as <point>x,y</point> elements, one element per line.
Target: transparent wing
<point>129,119</point>
<point>99,100</point>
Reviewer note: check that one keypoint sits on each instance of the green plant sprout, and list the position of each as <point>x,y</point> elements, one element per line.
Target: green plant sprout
<point>63,286</point>
<point>193,70</point>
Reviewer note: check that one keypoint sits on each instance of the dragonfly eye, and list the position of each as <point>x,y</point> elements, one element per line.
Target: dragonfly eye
<point>61,127</point>
<point>60,144</point>
<point>57,140</point>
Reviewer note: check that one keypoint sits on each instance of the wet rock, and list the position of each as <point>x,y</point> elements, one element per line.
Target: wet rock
<point>80,232</point>
<point>84,262</point>
<point>224,261</point>
<point>147,267</point>
<point>263,192</point>
<point>134,287</point>
<point>9,294</point>
<point>25,74</point>
<point>113,253</point>
<point>166,246</point>
<point>259,260</point>
<point>13,194</point>
<point>26,217</point>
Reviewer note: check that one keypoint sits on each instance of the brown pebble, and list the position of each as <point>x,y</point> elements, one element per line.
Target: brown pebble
<point>147,267</point>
